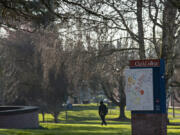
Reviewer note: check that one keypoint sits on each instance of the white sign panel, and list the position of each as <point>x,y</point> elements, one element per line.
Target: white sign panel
<point>139,89</point>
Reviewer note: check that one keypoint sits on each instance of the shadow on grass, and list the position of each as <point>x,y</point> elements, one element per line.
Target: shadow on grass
<point>80,108</point>
<point>174,124</point>
<point>92,129</point>
<point>70,129</point>
<point>81,118</point>
<point>90,122</point>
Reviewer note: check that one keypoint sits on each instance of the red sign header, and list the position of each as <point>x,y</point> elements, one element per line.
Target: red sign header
<point>145,63</point>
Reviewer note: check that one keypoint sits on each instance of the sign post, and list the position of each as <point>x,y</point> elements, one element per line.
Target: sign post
<point>146,97</point>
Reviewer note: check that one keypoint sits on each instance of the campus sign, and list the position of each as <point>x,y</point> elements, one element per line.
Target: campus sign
<point>144,63</point>
<point>139,89</point>
<point>145,86</point>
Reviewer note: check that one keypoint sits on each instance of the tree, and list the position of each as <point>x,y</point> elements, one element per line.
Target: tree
<point>106,73</point>
<point>169,40</point>
<point>112,80</point>
<point>25,14</point>
<point>176,3</point>
<point>30,76</point>
<point>20,70</point>
<point>56,93</point>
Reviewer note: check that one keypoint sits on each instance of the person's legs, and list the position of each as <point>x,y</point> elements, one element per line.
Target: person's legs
<point>103,120</point>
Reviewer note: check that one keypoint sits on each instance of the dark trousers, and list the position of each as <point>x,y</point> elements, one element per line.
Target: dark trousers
<point>103,120</point>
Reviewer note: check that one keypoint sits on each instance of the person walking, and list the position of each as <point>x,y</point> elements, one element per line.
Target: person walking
<point>103,110</point>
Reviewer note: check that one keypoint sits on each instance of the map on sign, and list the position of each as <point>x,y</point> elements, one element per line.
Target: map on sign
<point>139,89</point>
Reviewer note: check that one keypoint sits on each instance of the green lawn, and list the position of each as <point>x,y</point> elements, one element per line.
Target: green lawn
<point>84,120</point>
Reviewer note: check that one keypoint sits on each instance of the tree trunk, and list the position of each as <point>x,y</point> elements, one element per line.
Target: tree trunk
<point>168,41</point>
<point>140,30</point>
<point>43,116</point>
<point>56,114</point>
<point>122,115</point>
<point>122,103</point>
<point>122,106</point>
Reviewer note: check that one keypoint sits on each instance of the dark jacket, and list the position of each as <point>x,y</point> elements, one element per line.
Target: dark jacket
<point>103,110</point>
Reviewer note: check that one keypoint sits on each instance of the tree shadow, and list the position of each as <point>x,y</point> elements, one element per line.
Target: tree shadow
<point>121,119</point>
<point>80,108</point>
<point>174,124</point>
<point>89,122</point>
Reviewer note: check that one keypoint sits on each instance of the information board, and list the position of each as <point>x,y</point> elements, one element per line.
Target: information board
<point>139,89</point>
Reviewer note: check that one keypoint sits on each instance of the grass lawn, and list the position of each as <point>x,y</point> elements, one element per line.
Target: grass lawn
<point>84,120</point>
